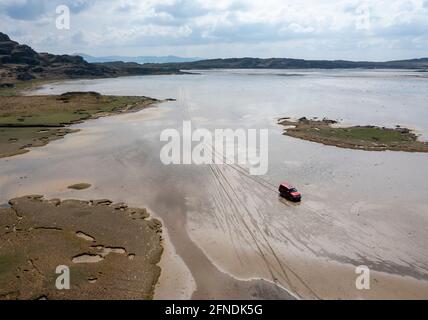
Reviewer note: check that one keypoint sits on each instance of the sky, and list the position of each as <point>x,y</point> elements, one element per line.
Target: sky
<point>377,30</point>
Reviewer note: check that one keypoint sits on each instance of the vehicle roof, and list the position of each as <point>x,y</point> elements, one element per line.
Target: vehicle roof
<point>287,185</point>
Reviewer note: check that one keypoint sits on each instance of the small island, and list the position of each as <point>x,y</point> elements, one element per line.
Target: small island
<point>33,121</point>
<point>369,138</point>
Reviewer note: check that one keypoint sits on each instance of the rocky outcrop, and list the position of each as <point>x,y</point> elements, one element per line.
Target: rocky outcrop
<point>4,37</point>
<point>13,52</point>
<point>21,63</point>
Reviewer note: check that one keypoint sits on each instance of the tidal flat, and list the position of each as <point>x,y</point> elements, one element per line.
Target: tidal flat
<point>231,236</point>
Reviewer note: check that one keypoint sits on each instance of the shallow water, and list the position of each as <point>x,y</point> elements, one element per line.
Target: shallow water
<point>358,207</point>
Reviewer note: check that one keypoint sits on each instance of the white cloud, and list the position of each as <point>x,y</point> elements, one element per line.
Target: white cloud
<point>353,29</point>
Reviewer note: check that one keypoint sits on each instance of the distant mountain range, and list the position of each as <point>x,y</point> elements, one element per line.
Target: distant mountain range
<point>285,63</point>
<point>139,59</point>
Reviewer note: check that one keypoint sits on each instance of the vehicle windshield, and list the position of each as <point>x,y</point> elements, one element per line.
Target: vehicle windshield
<point>293,190</point>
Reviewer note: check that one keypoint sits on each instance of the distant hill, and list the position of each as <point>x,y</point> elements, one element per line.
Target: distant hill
<point>138,59</point>
<point>21,63</point>
<point>285,63</point>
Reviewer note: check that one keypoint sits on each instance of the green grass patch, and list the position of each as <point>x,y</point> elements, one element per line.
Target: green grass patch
<point>367,134</point>
<point>48,119</point>
<point>31,121</point>
<point>60,110</point>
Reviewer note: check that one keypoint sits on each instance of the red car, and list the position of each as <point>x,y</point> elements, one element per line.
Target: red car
<point>289,192</point>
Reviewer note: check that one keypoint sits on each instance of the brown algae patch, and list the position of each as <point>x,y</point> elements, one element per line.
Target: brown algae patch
<point>369,138</point>
<point>80,186</point>
<point>37,235</point>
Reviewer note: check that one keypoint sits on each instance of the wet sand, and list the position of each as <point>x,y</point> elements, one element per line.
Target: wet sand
<point>250,247</point>
<point>211,283</point>
<point>224,226</point>
<point>204,279</point>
